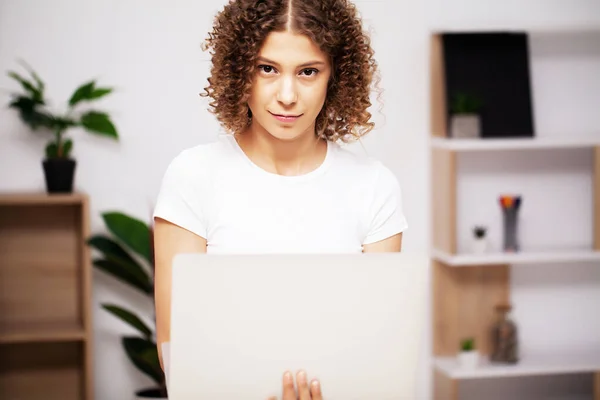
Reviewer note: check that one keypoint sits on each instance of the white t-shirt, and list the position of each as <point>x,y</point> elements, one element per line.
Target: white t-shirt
<point>215,191</point>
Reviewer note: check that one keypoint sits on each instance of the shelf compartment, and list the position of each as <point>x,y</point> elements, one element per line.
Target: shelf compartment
<point>42,332</point>
<point>525,257</point>
<point>41,262</point>
<point>464,300</point>
<point>532,365</point>
<point>42,371</point>
<point>537,143</point>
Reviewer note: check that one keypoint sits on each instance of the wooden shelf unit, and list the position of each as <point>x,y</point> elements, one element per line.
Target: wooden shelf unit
<point>467,287</point>
<point>45,297</point>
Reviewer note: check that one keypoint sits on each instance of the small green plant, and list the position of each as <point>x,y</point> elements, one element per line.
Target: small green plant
<point>467,344</point>
<point>479,231</point>
<point>34,112</point>
<point>129,234</point>
<point>465,103</point>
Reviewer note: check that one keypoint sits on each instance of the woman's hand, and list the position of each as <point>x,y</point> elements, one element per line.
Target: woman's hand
<point>305,390</point>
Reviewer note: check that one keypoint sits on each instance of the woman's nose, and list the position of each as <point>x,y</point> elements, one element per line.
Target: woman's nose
<point>287,91</point>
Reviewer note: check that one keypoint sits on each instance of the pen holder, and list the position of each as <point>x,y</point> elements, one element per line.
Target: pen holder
<point>510,211</point>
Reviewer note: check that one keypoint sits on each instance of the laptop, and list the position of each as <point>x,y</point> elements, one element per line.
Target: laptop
<point>354,321</point>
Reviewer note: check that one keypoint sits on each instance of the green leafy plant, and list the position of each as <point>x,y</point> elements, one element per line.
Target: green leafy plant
<point>465,103</point>
<point>467,344</point>
<point>129,234</point>
<point>33,110</point>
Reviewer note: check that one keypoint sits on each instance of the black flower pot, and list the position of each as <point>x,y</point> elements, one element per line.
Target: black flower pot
<point>59,174</point>
<point>153,393</point>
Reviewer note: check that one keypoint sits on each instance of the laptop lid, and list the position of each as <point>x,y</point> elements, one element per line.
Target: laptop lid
<point>355,322</point>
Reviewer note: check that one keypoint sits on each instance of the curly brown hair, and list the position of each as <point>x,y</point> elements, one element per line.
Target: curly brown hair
<point>334,26</point>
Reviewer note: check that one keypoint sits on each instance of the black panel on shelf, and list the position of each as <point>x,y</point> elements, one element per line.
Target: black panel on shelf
<point>495,67</point>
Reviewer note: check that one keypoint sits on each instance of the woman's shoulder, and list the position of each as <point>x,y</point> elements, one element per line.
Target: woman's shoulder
<point>359,164</point>
<point>200,158</point>
<point>378,186</point>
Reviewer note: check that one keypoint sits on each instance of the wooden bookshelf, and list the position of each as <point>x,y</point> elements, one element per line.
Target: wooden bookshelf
<point>45,297</point>
<point>466,287</point>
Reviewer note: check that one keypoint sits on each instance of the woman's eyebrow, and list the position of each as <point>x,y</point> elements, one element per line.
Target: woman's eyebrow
<point>315,62</point>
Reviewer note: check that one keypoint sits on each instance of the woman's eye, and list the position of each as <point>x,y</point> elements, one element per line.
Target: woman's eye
<point>265,68</point>
<point>314,71</point>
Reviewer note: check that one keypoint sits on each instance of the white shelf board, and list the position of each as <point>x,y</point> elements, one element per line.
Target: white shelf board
<point>536,143</point>
<point>485,26</point>
<point>525,257</point>
<point>528,365</point>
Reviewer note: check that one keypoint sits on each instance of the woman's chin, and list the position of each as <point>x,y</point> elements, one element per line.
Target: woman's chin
<point>286,134</point>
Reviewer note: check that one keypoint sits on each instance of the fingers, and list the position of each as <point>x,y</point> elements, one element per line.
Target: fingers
<point>315,390</point>
<point>289,392</point>
<point>303,390</point>
<point>306,390</point>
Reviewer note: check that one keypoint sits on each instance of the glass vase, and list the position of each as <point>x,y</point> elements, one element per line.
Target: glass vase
<point>505,341</point>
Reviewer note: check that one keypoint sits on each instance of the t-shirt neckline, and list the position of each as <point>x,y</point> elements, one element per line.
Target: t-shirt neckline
<point>319,170</point>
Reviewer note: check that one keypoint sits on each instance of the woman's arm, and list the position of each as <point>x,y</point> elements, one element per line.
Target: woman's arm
<point>391,244</point>
<point>169,240</point>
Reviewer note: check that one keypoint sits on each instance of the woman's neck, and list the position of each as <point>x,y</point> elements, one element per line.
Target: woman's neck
<point>294,157</point>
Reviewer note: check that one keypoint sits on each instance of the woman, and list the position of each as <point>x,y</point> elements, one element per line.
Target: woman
<point>289,79</point>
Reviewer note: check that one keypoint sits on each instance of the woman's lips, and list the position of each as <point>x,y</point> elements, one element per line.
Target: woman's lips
<point>287,119</point>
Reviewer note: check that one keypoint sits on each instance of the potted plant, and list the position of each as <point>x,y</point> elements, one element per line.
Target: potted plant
<point>129,234</point>
<point>33,108</point>
<point>479,239</point>
<point>468,357</point>
<point>465,120</point>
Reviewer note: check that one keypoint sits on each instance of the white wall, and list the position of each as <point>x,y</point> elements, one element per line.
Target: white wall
<point>151,52</point>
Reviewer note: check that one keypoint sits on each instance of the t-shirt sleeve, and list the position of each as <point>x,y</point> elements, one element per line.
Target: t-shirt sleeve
<point>386,210</point>
<point>179,199</point>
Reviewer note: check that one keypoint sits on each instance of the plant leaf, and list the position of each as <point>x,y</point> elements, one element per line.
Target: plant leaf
<point>110,248</point>
<point>124,273</point>
<point>66,148</point>
<point>129,318</point>
<point>40,84</point>
<point>27,86</point>
<point>82,92</point>
<point>29,113</point>
<point>24,103</point>
<point>51,150</point>
<point>88,92</point>
<point>99,92</point>
<point>131,231</point>
<point>116,254</point>
<point>99,123</point>
<point>144,355</point>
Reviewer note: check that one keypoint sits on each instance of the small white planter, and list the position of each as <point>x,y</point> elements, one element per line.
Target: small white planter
<point>465,126</point>
<point>479,245</point>
<point>468,359</point>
